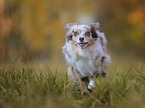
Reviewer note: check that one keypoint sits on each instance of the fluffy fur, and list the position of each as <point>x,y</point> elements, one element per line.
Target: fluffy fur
<point>85,52</point>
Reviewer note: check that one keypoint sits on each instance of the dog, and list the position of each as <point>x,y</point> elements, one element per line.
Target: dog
<point>85,53</point>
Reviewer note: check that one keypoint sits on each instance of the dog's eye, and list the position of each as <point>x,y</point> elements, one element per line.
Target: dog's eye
<point>87,33</point>
<point>75,33</point>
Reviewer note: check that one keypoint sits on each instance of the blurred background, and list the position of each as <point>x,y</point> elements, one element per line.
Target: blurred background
<point>34,29</point>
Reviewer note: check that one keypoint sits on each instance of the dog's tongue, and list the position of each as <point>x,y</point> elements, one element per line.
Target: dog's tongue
<point>82,44</point>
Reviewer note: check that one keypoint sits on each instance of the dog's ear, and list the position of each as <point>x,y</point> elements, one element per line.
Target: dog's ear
<point>94,27</point>
<point>69,26</point>
<point>69,31</point>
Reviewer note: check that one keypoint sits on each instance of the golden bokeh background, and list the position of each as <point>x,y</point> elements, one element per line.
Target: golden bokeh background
<point>34,29</point>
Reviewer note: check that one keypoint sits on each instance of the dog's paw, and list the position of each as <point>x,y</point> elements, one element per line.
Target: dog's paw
<point>103,74</point>
<point>91,84</point>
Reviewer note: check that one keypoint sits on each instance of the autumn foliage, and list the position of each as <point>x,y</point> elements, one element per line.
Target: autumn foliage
<point>34,28</point>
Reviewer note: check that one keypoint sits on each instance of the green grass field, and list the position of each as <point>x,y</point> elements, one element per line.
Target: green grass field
<point>29,86</point>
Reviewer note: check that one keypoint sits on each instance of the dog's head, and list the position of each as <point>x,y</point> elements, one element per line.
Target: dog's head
<point>82,35</point>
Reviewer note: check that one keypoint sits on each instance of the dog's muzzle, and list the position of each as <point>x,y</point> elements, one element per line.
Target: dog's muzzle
<point>82,44</point>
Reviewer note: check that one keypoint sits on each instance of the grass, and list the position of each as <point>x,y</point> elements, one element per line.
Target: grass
<point>26,86</point>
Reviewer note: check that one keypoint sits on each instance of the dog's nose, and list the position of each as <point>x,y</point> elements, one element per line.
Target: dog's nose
<point>81,39</point>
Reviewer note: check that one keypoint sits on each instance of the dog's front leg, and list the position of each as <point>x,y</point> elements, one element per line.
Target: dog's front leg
<point>80,80</point>
<point>92,80</point>
<point>81,87</point>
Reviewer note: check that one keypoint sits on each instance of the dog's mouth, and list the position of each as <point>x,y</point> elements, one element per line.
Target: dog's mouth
<point>82,44</point>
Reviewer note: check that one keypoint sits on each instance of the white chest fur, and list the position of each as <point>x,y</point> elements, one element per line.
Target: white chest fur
<point>86,61</point>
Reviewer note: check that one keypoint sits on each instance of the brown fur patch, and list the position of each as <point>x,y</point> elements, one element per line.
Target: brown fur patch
<point>94,34</point>
<point>78,55</point>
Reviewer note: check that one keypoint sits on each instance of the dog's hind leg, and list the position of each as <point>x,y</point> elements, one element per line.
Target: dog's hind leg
<point>103,71</point>
<point>104,64</point>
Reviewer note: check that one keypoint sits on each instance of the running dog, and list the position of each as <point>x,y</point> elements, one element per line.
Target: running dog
<point>85,53</point>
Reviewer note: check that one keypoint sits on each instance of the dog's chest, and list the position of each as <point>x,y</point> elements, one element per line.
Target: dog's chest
<point>85,66</point>
<point>86,61</point>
